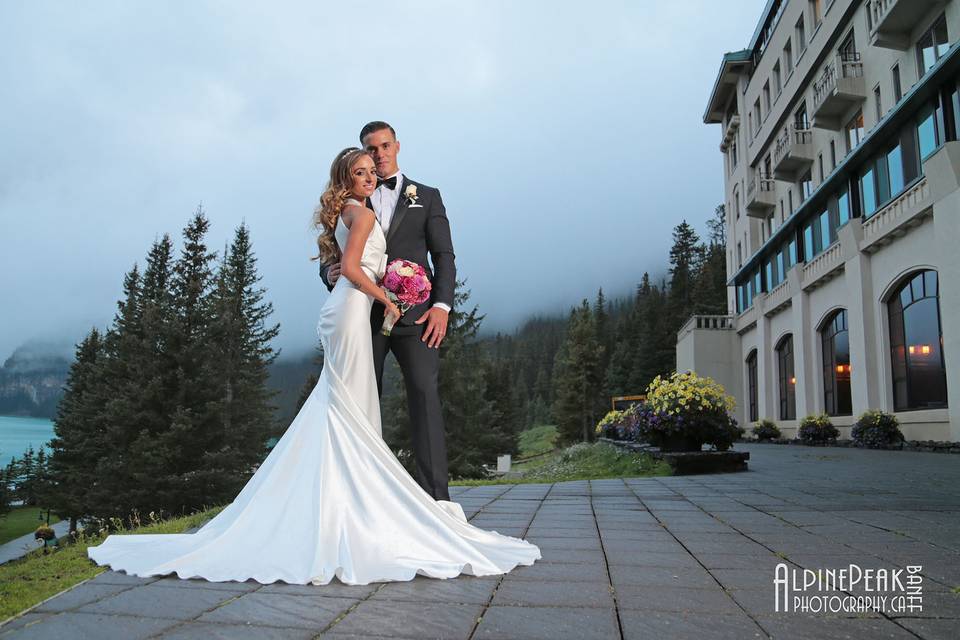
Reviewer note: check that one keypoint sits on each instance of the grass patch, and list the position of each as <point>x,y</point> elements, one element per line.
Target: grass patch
<point>538,440</point>
<point>20,521</point>
<point>582,461</point>
<point>35,577</point>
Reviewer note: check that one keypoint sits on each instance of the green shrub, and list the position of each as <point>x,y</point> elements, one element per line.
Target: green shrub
<point>766,430</point>
<point>876,429</point>
<point>817,429</point>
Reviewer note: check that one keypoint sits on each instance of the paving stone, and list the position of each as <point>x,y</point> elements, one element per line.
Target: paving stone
<point>463,589</point>
<point>75,624</point>
<point>151,601</point>
<point>652,559</point>
<point>399,619</point>
<point>334,589</point>
<point>642,625</point>
<point>80,595</point>
<point>553,571</point>
<point>679,599</point>
<point>280,610</point>
<point>822,628</point>
<point>547,623</point>
<point>199,583</point>
<point>622,575</point>
<point>118,577</point>
<point>931,628</point>
<point>222,631</point>
<point>554,594</point>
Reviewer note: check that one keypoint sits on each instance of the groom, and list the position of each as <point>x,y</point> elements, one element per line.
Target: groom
<point>414,222</point>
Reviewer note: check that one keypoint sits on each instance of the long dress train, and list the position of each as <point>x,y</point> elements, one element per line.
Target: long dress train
<point>330,499</point>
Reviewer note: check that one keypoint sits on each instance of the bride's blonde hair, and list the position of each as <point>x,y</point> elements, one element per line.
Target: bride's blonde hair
<point>327,212</point>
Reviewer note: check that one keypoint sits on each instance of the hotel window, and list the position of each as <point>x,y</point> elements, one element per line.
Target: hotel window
<point>820,165</point>
<point>816,12</point>
<point>800,117</point>
<point>752,385</point>
<point>833,155</point>
<point>736,202</point>
<point>932,46</point>
<point>826,230</point>
<point>781,266</point>
<point>790,199</point>
<point>877,102</point>
<point>757,285</point>
<point>792,252</point>
<point>801,32</point>
<point>835,342</point>
<point>777,80</point>
<point>733,152</point>
<point>750,126</point>
<point>843,208</point>
<point>739,256</point>
<point>928,134</point>
<point>806,186</point>
<point>787,379</point>
<point>854,131</point>
<point>788,57</point>
<point>809,250</point>
<point>897,90</point>
<point>868,193</point>
<point>756,115</point>
<point>771,277</point>
<point>916,344</point>
<point>766,97</point>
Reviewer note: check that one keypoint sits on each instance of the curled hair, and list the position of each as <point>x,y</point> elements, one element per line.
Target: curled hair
<point>327,212</point>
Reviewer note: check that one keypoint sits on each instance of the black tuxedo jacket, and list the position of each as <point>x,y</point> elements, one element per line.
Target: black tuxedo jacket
<point>417,228</point>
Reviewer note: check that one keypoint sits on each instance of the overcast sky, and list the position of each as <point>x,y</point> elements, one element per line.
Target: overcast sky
<point>565,137</point>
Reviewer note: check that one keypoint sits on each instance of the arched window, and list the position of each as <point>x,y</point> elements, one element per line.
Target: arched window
<point>836,365</point>
<point>916,344</point>
<point>752,385</point>
<point>787,379</point>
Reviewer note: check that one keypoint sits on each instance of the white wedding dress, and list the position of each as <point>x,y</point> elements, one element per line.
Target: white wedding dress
<point>330,499</point>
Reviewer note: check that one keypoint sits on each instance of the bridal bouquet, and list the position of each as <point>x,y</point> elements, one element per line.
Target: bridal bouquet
<point>406,285</point>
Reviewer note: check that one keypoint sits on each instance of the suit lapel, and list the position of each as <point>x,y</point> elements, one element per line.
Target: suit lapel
<point>400,210</point>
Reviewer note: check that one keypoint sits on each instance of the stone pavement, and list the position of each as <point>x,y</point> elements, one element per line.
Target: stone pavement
<point>26,543</point>
<point>673,557</point>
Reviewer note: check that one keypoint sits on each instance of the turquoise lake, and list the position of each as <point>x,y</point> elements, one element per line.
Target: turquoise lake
<point>16,434</point>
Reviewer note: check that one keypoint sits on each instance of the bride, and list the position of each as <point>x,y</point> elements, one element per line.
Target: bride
<point>331,499</point>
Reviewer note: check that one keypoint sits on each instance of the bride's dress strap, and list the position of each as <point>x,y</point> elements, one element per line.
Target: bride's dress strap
<point>354,201</point>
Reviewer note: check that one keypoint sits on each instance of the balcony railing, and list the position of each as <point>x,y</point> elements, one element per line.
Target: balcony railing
<point>895,219</point>
<point>794,151</point>
<point>890,21</point>
<point>761,195</point>
<point>823,267</point>
<point>777,299</point>
<point>840,86</point>
<point>707,323</point>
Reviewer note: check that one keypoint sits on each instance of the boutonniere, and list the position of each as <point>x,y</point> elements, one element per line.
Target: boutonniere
<point>411,194</point>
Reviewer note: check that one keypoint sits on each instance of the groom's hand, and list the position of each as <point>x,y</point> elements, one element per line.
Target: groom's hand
<point>333,273</point>
<point>436,320</point>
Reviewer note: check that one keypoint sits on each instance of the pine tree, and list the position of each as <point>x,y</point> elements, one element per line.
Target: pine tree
<point>241,339</point>
<point>710,288</point>
<point>684,265</point>
<point>577,378</point>
<point>116,391</point>
<point>78,440</point>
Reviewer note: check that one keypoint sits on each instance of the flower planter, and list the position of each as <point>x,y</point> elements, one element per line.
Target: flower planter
<point>680,442</point>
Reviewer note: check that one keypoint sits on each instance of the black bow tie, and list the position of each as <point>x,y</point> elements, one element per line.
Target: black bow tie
<point>389,183</point>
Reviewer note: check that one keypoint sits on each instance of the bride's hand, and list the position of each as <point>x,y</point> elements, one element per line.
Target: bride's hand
<point>391,309</point>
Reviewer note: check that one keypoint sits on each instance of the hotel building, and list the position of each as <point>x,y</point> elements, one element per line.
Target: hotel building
<point>839,138</point>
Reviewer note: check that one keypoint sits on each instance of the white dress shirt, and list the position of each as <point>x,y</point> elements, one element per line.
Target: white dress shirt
<point>384,203</point>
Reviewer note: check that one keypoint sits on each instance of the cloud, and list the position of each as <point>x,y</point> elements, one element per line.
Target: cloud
<point>565,138</point>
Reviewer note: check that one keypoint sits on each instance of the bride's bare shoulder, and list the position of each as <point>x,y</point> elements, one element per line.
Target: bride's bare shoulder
<point>352,212</point>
